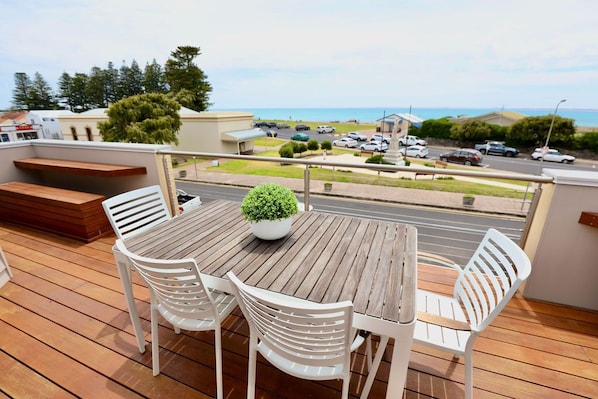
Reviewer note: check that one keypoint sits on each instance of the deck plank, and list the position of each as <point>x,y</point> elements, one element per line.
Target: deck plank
<point>65,302</point>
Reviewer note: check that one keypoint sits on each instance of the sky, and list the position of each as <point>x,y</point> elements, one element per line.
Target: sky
<point>323,53</point>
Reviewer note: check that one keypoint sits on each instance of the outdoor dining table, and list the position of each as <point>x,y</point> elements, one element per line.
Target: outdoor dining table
<point>325,258</point>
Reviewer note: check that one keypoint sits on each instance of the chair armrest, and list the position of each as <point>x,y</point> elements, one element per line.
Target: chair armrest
<point>443,321</point>
<point>436,260</point>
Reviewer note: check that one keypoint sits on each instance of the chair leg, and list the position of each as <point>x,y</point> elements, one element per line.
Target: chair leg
<point>155,344</point>
<point>252,368</point>
<point>469,374</point>
<point>374,368</point>
<point>368,351</point>
<point>218,349</point>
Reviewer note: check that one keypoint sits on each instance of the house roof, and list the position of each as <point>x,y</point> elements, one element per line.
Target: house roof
<point>504,118</point>
<point>13,118</point>
<point>242,135</point>
<point>401,116</point>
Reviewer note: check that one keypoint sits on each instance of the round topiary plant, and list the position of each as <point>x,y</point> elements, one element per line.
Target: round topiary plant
<point>269,201</point>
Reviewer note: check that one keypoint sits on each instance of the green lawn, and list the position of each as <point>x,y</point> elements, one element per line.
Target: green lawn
<point>316,173</point>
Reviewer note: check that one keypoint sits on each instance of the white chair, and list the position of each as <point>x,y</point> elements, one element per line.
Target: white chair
<point>304,339</point>
<point>5,273</point>
<point>178,293</point>
<point>134,211</point>
<point>131,213</point>
<point>481,291</point>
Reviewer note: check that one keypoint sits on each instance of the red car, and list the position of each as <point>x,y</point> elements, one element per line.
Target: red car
<point>466,156</point>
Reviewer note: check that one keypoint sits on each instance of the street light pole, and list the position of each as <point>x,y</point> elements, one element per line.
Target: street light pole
<point>543,150</point>
<point>552,121</point>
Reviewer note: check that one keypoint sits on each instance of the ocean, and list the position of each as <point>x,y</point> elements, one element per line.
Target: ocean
<point>581,117</point>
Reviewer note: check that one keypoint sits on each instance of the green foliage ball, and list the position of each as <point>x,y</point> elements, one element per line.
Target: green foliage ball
<point>269,201</point>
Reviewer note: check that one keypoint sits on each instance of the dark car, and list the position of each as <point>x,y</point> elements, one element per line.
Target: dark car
<point>302,127</point>
<point>261,124</point>
<point>466,156</point>
<point>271,133</point>
<point>300,137</point>
<point>271,124</point>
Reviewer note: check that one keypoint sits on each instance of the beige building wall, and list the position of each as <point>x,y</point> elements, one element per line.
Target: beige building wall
<point>200,131</point>
<point>564,252</point>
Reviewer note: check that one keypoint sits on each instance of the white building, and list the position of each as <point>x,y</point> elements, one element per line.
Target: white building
<point>23,125</point>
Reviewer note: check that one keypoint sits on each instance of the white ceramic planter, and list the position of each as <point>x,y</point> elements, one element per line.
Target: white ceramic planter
<point>271,229</point>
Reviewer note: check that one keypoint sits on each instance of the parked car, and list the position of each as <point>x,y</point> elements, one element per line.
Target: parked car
<point>301,127</point>
<point>466,156</point>
<point>346,142</point>
<point>271,133</point>
<point>497,148</point>
<point>325,129</point>
<point>271,124</point>
<point>357,136</point>
<point>416,151</point>
<point>260,124</point>
<point>381,137</point>
<point>282,126</point>
<point>374,146</point>
<point>411,140</point>
<point>300,137</point>
<point>552,155</point>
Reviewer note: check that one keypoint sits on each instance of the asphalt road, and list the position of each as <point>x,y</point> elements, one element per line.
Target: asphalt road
<point>448,233</point>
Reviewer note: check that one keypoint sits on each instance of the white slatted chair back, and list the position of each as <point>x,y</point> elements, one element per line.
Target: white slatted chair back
<point>135,211</point>
<point>304,339</point>
<point>490,278</point>
<point>178,293</point>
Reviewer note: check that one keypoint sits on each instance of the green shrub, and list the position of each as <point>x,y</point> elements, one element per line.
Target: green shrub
<point>379,159</point>
<point>326,145</point>
<point>269,201</point>
<point>587,141</point>
<point>286,151</point>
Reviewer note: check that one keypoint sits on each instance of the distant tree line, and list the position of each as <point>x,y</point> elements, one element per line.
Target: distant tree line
<point>180,79</point>
<point>529,132</point>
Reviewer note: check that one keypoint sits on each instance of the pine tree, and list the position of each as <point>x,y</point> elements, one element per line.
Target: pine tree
<point>188,83</point>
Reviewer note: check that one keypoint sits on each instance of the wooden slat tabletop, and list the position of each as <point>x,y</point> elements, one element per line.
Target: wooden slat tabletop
<point>325,258</point>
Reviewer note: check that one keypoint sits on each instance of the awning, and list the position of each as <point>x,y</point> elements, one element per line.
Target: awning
<point>242,135</point>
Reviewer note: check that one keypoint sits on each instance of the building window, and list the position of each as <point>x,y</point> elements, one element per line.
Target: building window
<point>89,134</point>
<point>74,133</point>
<point>27,136</point>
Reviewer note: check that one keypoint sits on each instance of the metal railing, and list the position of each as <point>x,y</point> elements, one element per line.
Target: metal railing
<point>307,163</point>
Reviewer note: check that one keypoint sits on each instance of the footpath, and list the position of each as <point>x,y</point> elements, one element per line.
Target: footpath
<point>207,173</point>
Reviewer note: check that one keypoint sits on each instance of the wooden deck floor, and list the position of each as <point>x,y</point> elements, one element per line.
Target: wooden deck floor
<point>64,332</point>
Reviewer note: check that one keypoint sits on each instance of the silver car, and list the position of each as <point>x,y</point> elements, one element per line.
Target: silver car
<point>345,142</point>
<point>552,156</point>
<point>374,146</point>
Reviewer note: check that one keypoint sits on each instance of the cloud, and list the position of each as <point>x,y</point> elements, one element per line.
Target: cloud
<point>525,53</point>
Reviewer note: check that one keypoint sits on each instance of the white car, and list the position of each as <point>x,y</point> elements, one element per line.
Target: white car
<point>345,142</point>
<point>552,156</point>
<point>381,137</point>
<point>357,136</point>
<point>374,146</point>
<point>411,140</point>
<point>415,151</point>
<point>325,129</point>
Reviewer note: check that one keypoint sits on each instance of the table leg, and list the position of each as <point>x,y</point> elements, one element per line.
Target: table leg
<point>124,271</point>
<point>400,363</point>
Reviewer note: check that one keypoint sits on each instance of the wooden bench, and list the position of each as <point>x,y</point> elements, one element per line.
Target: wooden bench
<point>366,152</point>
<point>437,164</point>
<point>79,168</point>
<point>68,213</point>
